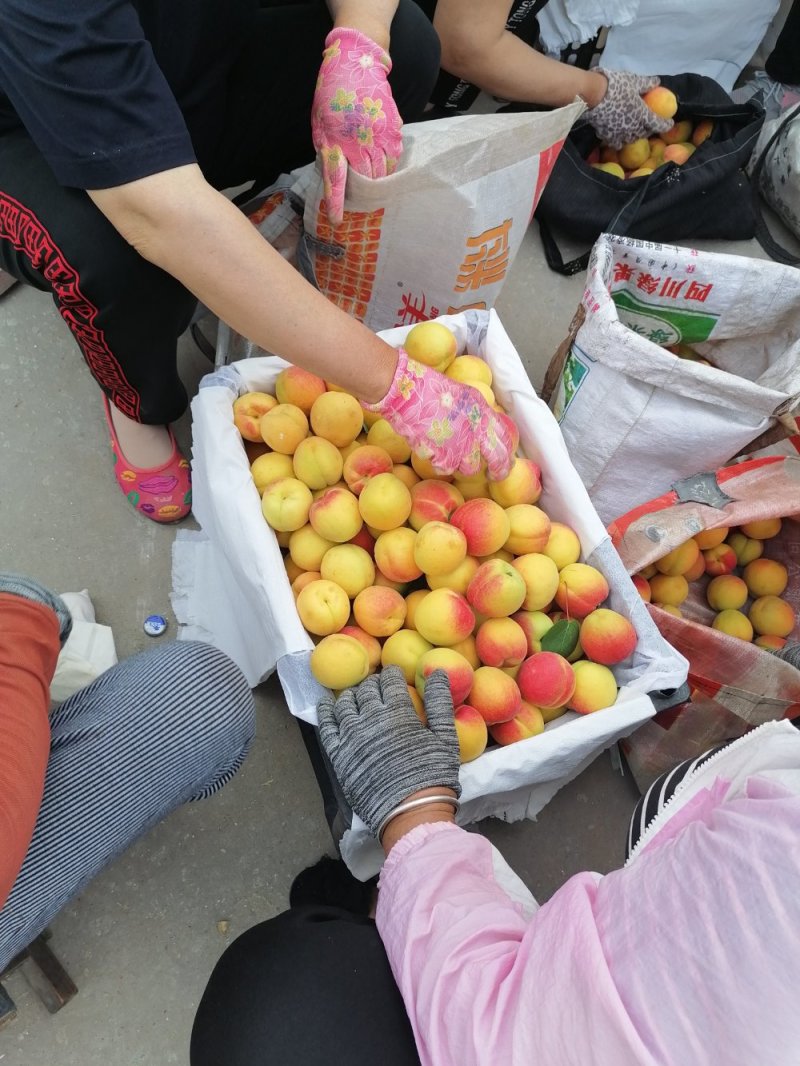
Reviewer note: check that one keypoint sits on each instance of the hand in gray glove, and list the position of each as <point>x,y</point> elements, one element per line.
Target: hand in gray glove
<point>380,751</point>
<point>622,115</point>
<point>18,585</point>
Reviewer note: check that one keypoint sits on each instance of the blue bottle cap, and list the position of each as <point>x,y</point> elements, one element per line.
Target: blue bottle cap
<point>155,625</point>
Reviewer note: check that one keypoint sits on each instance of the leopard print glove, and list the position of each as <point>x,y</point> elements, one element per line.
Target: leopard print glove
<point>622,116</point>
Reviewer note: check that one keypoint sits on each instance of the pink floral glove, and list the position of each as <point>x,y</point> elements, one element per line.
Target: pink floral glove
<point>354,119</point>
<point>447,422</point>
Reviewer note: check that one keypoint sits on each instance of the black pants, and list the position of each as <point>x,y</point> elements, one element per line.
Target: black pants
<point>311,987</point>
<point>125,313</point>
<point>784,61</point>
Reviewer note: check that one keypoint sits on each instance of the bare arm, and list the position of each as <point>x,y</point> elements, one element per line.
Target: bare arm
<point>179,222</point>
<point>477,47</point>
<point>372,17</point>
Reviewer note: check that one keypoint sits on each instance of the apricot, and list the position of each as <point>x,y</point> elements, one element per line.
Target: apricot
<point>595,688</point>
<point>661,101</point>
<point>283,427</point>
<point>501,642</point>
<point>746,548</point>
<point>563,545</point>
<point>710,538</point>
<point>497,590</point>
<point>720,560</point>
<point>610,168</point>
<point>770,615</point>
<point>546,679</point>
<point>339,661</point>
<point>607,637</point>
<point>439,548</point>
<point>726,592</point>
<point>527,722</point>
<point>381,435</point>
<point>633,155</point>
<point>444,617</point>
<point>394,554</point>
<point>669,590</point>
<point>762,530</point>
<point>385,502</point>
<point>323,607</point>
<point>317,462</point>
<point>458,580</point>
<point>471,731</point>
<point>494,695</point>
<point>404,649</point>
<point>485,525</point>
<point>523,484</point>
<point>406,475</point>
<point>534,624</point>
<point>286,504</point>
<point>431,343</point>
<point>247,412</point>
<point>468,369</point>
<point>734,623</point>
<point>642,586</point>
<point>338,417</point>
<point>679,560</point>
<point>307,548</point>
<point>269,467</point>
<point>370,643</point>
<point>413,600</point>
<point>379,611</point>
<point>335,515</point>
<point>348,566</point>
<point>365,462</point>
<point>541,578</point>
<point>299,387</point>
<point>459,672</point>
<point>702,131</point>
<point>530,529</point>
<point>765,577</point>
<point>433,501</point>
<point>680,132</point>
<point>581,588</point>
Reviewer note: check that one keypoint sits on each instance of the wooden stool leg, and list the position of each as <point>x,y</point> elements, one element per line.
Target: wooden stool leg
<point>47,977</point>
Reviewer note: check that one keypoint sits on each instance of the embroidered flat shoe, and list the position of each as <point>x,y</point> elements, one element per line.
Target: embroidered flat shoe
<point>161,493</point>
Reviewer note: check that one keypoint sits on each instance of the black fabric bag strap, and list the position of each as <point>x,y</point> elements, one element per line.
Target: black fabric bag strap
<point>763,236</point>
<point>619,224</point>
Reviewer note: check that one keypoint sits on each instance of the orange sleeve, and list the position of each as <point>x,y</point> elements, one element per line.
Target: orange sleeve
<point>29,647</point>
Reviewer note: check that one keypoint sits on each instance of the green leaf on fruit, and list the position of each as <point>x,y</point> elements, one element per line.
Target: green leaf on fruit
<point>562,638</point>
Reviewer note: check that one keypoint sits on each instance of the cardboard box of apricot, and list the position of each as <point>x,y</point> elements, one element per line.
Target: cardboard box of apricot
<point>336,552</point>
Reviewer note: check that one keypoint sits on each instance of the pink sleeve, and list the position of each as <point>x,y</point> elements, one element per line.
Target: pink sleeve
<point>482,985</point>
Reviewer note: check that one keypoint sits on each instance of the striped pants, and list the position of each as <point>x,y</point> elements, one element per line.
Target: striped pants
<point>167,726</point>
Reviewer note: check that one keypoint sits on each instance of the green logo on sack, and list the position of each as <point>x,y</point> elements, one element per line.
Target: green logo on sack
<point>661,324</point>
<point>575,370</point>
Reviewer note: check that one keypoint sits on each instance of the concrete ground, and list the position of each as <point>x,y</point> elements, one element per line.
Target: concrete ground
<point>141,941</point>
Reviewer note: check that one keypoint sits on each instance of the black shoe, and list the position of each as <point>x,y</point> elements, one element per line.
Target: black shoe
<point>329,883</point>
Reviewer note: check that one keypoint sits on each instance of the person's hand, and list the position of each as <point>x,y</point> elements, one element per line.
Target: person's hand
<point>354,119</point>
<point>28,589</point>
<point>622,115</point>
<point>445,421</point>
<point>380,751</point>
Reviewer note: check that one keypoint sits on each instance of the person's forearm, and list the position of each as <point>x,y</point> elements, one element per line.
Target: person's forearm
<point>29,647</point>
<point>177,221</point>
<point>512,70</point>
<point>372,17</point>
<point>453,938</point>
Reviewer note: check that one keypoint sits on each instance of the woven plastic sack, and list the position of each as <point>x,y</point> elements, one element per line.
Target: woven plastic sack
<point>735,685</point>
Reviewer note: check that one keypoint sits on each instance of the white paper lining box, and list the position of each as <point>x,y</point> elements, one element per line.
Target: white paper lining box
<point>230,586</point>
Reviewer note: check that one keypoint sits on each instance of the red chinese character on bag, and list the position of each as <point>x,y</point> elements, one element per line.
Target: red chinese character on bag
<point>623,272</point>
<point>698,292</point>
<point>672,288</point>
<point>489,263</point>
<point>647,282</point>
<point>413,310</point>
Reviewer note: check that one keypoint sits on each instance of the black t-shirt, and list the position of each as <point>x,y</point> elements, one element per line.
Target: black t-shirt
<point>452,95</point>
<point>115,90</point>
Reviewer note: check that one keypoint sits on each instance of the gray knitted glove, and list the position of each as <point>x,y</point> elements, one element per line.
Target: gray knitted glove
<point>622,115</point>
<point>790,653</point>
<point>18,585</point>
<point>380,751</point>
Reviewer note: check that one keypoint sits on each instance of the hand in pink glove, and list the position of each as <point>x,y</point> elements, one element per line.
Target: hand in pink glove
<point>445,421</point>
<point>354,119</point>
